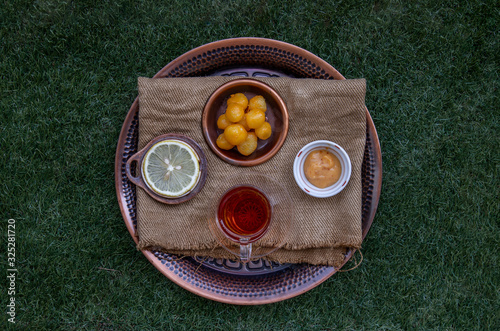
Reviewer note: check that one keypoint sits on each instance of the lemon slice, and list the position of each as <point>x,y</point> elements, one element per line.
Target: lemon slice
<point>171,168</point>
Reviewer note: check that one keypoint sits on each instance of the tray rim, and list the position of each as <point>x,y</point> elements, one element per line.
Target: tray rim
<point>377,180</point>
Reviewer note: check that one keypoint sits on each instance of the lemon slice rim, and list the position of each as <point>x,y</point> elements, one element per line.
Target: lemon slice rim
<point>185,191</point>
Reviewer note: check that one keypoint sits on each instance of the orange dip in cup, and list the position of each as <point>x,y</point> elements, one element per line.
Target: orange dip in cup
<point>322,168</point>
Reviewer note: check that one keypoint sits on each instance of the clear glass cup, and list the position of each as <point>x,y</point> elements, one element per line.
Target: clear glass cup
<point>251,216</point>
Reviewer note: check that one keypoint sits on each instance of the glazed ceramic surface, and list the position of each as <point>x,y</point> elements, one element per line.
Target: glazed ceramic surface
<point>276,115</point>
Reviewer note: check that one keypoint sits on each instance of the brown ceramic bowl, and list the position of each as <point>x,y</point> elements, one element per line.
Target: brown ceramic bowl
<point>276,115</point>
<point>136,176</point>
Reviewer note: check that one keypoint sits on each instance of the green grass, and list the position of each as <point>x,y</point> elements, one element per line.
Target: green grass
<point>69,75</point>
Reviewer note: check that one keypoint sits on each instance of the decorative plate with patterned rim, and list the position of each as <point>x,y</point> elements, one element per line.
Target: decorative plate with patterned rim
<point>258,282</point>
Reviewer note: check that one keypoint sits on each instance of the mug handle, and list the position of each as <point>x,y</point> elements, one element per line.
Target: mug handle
<point>245,251</point>
<point>136,180</point>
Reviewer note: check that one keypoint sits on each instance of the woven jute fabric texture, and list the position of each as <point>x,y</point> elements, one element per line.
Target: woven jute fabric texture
<point>322,229</point>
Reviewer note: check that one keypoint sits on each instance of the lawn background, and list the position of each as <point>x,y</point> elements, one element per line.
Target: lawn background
<point>69,75</point>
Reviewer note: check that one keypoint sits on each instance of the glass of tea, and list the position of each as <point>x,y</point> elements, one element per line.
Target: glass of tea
<point>252,216</point>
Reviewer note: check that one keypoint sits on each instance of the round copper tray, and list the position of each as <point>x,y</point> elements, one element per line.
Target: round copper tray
<point>223,280</point>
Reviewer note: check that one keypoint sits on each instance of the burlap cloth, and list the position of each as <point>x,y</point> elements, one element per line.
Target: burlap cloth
<point>322,229</point>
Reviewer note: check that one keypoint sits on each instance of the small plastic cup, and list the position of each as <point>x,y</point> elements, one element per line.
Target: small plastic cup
<point>299,174</point>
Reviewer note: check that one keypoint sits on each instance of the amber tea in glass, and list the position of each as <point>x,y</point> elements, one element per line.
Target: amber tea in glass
<point>251,208</point>
<point>244,214</point>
